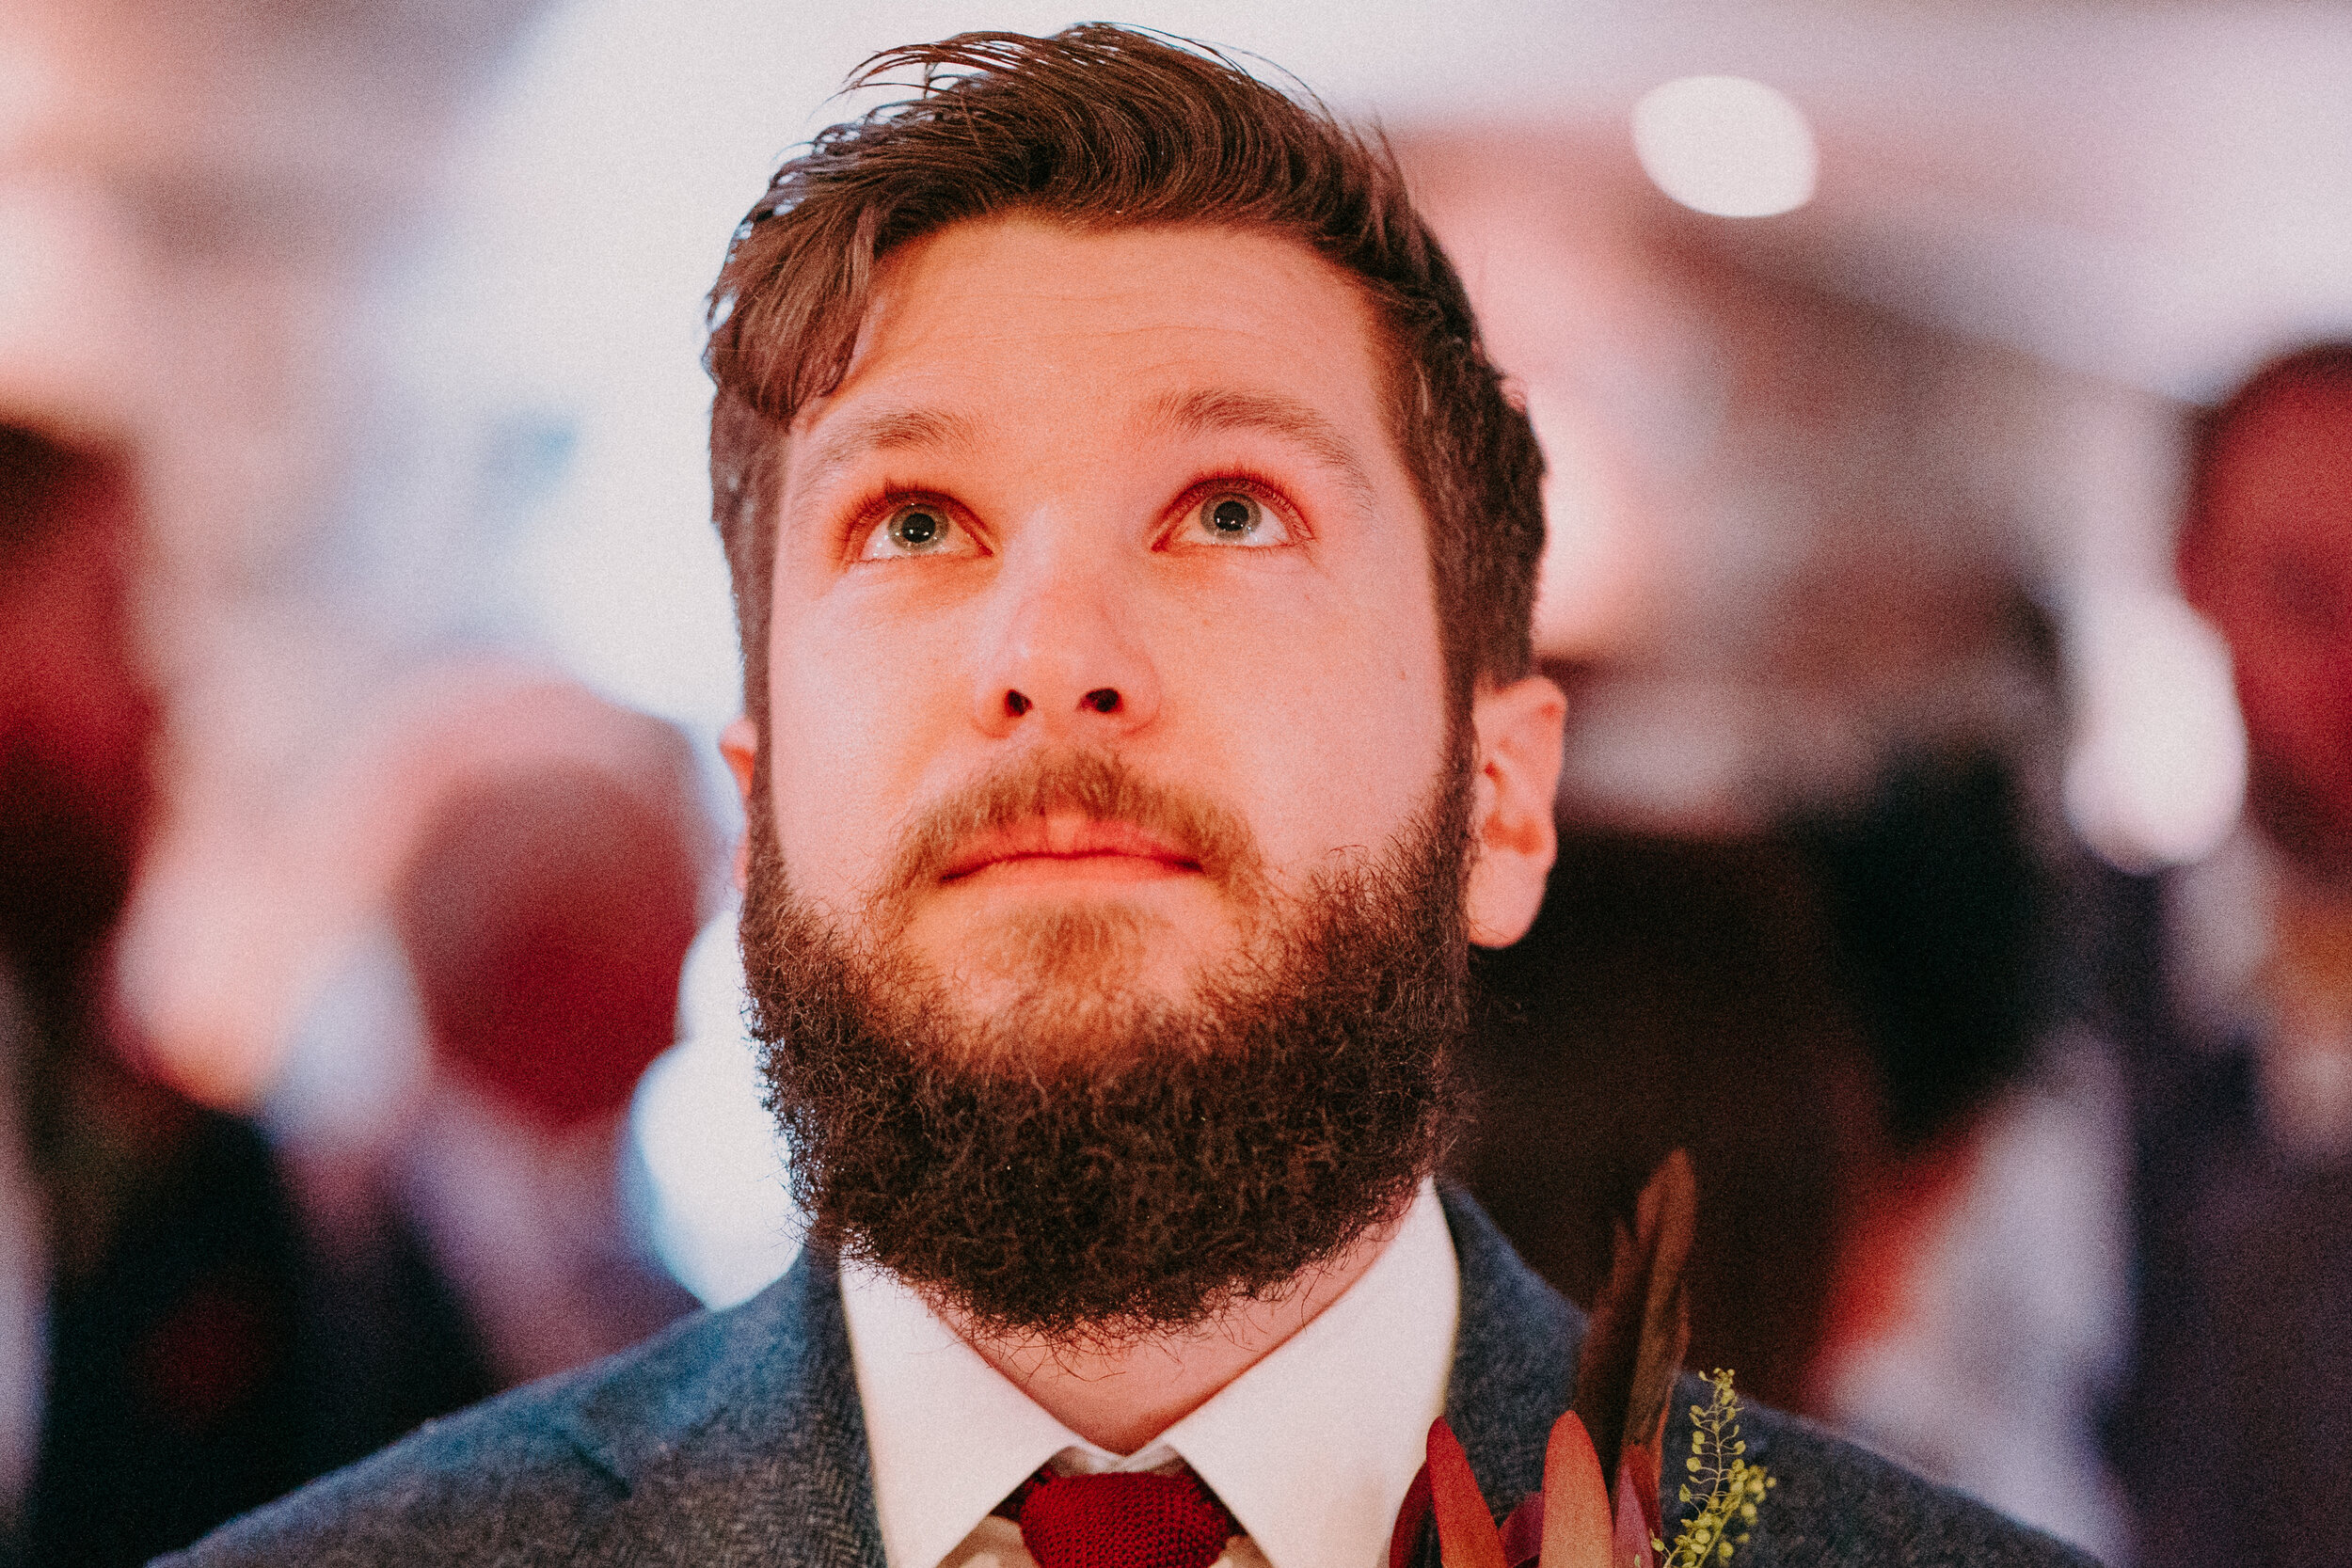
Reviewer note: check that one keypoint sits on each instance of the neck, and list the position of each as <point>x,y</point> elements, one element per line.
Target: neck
<point>1121,1398</point>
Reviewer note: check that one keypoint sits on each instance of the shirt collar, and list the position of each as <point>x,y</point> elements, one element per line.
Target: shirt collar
<point>1310,1448</point>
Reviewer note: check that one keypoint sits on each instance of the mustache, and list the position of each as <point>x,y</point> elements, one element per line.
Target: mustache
<point>1100,786</point>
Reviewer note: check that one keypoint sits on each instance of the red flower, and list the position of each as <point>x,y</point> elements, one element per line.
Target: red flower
<point>1624,1386</point>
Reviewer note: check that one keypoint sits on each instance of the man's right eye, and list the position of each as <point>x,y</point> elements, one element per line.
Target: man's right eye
<point>914,527</point>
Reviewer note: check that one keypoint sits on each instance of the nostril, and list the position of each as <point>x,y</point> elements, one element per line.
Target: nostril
<point>1102,700</point>
<point>1016,704</point>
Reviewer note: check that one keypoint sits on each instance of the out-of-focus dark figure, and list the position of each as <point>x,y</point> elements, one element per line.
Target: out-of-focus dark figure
<point>152,1265</point>
<point>1979,1313</point>
<point>2234,1439</point>
<point>1678,993</point>
<point>1935,907</point>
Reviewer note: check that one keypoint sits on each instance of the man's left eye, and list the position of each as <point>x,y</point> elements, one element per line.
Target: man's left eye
<point>1234,517</point>
<point>914,527</point>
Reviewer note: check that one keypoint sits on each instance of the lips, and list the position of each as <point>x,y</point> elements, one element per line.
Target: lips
<point>1073,840</point>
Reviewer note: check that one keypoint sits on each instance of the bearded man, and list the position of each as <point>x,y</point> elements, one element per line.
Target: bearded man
<point>1134,552</point>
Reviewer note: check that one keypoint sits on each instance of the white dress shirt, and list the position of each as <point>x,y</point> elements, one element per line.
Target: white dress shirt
<point>1312,1449</point>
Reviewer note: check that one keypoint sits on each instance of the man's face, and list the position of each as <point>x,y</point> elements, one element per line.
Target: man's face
<point>1105,915</point>
<point>1127,496</point>
<point>2272,568</point>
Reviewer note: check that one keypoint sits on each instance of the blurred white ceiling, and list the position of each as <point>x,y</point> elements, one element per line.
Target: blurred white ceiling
<point>2151,193</point>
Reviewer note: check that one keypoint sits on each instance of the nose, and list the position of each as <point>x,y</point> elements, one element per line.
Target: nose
<point>1064,657</point>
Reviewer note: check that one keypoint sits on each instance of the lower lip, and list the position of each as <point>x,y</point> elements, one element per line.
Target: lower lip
<point>1025,870</point>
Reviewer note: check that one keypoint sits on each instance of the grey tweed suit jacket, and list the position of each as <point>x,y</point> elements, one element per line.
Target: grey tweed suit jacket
<point>736,1439</point>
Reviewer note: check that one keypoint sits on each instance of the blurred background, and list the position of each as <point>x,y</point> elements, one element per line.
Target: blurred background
<point>370,1001</point>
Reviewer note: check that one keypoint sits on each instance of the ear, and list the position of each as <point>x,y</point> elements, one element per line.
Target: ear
<point>1519,731</point>
<point>739,743</point>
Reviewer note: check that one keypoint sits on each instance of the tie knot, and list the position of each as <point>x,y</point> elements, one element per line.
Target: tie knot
<point>1121,1521</point>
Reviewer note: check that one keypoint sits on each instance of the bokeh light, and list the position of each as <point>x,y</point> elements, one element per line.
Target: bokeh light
<point>2157,773</point>
<point>716,1205</point>
<point>1726,146</point>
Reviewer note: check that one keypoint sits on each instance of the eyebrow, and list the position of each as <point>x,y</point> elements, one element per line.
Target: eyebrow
<point>1268,413</point>
<point>1204,412</point>
<point>883,429</point>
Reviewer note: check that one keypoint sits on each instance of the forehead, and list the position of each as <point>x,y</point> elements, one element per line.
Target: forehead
<point>1012,319</point>
<point>2284,466</point>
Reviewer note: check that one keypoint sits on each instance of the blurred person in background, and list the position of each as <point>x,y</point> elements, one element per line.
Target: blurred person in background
<point>545,917</point>
<point>2235,1437</point>
<point>184,1331</point>
<point>454,1102</point>
<point>1976,1314</point>
<point>152,1381</point>
<point>1678,992</point>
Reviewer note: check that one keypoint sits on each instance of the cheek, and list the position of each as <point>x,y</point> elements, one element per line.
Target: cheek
<point>1328,707</point>
<point>852,718</point>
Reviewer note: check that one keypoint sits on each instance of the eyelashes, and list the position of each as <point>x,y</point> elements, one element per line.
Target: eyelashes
<point>1229,517</point>
<point>917,528</point>
<point>1230,510</point>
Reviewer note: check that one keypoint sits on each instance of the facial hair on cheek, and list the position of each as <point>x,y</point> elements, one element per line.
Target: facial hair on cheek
<point>1099,1173</point>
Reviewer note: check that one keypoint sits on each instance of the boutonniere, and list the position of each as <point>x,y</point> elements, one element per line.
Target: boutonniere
<point>1625,1381</point>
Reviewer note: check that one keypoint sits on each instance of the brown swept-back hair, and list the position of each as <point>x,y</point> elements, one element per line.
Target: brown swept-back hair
<point>1106,127</point>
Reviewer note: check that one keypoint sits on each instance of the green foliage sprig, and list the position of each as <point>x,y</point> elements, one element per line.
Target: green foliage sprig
<point>1725,1486</point>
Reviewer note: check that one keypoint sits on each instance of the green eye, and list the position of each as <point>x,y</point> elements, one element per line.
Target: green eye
<point>917,528</point>
<point>1231,516</point>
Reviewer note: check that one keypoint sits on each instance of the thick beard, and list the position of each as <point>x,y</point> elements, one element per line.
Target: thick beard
<point>1190,1156</point>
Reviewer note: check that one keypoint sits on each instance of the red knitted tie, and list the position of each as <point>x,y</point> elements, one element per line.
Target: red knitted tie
<point>1120,1521</point>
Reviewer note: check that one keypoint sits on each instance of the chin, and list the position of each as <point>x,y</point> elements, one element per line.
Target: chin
<point>1070,952</point>
<point>1070,982</point>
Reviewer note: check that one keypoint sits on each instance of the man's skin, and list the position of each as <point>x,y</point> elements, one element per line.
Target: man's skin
<point>1066,405</point>
<point>2271,565</point>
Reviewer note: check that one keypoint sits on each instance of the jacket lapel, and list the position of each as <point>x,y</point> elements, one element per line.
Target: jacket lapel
<point>743,1443</point>
<point>1514,1357</point>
